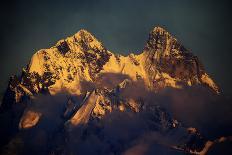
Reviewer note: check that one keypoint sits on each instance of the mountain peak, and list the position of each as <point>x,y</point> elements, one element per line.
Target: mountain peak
<point>159,32</point>
<point>160,39</point>
<point>82,41</point>
<point>83,33</point>
<point>158,29</point>
<point>169,56</point>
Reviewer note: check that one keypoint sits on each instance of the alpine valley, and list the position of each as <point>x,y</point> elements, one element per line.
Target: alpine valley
<point>78,97</point>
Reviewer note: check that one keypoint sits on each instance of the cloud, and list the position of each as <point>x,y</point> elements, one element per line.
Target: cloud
<point>126,132</point>
<point>198,107</point>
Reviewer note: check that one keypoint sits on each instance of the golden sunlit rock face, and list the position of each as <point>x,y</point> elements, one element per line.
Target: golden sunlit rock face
<point>164,62</point>
<point>79,90</point>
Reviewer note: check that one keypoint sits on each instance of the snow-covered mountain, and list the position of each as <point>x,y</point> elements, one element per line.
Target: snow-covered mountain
<point>93,87</point>
<point>164,62</point>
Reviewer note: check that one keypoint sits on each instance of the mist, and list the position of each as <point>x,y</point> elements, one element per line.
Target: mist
<point>125,132</point>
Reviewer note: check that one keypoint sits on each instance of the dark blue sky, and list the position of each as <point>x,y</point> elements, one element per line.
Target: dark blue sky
<point>203,27</point>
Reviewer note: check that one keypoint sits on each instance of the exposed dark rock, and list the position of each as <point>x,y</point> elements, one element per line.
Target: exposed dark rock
<point>63,47</point>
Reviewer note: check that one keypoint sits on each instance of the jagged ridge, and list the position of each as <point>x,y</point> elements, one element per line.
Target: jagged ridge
<point>164,62</point>
<point>81,63</point>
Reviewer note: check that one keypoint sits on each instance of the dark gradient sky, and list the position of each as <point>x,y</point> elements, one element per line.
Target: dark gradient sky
<point>204,27</point>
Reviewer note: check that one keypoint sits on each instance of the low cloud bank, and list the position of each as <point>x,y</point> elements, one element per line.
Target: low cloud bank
<point>124,132</point>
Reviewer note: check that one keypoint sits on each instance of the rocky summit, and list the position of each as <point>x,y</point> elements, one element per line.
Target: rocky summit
<point>78,97</point>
